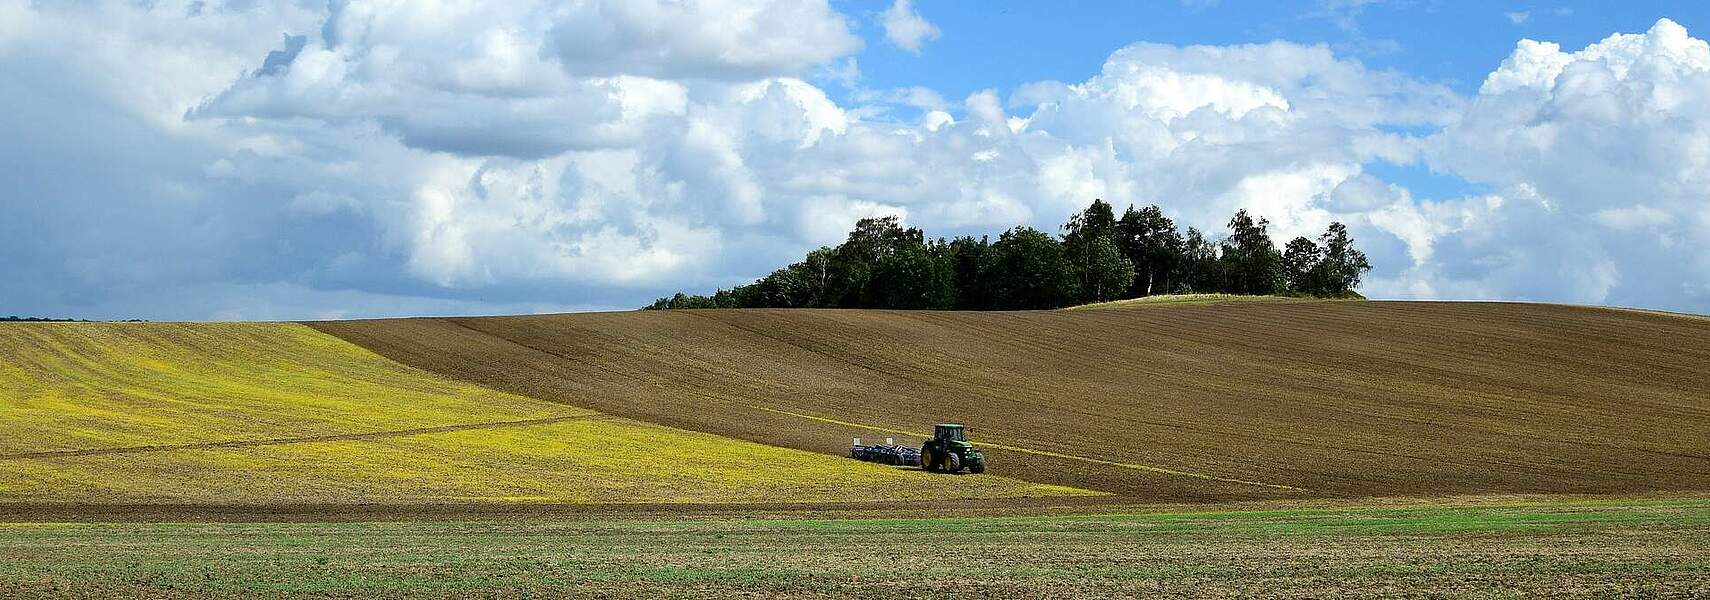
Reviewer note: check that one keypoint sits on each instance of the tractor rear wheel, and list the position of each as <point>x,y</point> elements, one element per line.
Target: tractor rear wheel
<point>925,459</point>
<point>952,463</point>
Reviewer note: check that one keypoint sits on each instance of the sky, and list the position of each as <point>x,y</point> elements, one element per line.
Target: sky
<point>200,159</point>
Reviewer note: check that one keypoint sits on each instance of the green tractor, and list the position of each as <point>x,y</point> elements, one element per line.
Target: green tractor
<point>949,451</point>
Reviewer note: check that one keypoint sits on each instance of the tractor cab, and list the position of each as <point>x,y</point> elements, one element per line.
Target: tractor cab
<point>949,451</point>
<point>949,431</point>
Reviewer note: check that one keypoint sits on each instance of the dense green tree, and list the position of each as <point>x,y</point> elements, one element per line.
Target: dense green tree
<point>815,274</point>
<point>879,236</point>
<point>1344,265</point>
<point>1252,264</point>
<point>1101,272</point>
<point>681,300</point>
<point>781,289</point>
<point>911,277</point>
<point>1100,257</point>
<point>1098,221</point>
<point>1027,270</point>
<point>966,257</point>
<point>1303,263</point>
<point>730,298</point>
<point>1201,270</point>
<point>852,263</point>
<point>1150,241</point>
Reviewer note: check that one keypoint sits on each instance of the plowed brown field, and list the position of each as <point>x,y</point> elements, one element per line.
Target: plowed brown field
<point>1171,402</point>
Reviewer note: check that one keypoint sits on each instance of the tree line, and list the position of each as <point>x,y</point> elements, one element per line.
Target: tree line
<point>1098,257</point>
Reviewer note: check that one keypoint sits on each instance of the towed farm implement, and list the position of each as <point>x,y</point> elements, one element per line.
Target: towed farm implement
<point>948,451</point>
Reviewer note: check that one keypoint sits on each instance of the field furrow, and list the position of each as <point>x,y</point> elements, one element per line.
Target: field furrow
<point>1340,398</point>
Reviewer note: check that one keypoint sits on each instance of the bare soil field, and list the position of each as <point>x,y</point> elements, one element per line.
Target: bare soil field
<point>1172,402</point>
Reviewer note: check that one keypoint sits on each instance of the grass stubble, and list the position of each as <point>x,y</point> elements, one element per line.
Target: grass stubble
<point>1602,548</point>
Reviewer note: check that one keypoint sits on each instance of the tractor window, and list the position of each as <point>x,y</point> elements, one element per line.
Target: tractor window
<point>950,433</point>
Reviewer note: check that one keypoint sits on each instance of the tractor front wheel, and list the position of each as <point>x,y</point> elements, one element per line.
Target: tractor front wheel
<point>925,459</point>
<point>977,468</point>
<point>952,462</point>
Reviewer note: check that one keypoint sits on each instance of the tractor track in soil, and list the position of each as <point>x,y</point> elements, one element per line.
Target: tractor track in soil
<point>336,437</point>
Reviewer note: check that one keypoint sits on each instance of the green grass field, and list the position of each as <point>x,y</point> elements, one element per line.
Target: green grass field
<point>1644,548</point>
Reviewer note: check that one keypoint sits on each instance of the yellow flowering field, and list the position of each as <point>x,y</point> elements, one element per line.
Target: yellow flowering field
<point>256,414</point>
<point>103,385</point>
<point>582,461</point>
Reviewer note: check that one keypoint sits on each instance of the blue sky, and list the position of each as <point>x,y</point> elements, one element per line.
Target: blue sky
<point>1005,44</point>
<point>241,159</point>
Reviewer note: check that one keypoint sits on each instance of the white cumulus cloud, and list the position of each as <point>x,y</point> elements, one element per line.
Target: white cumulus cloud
<point>1603,156</point>
<point>732,39</point>
<point>906,28</point>
<point>378,157</point>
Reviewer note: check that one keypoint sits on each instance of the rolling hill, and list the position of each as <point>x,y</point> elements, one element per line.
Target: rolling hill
<point>1186,401</point>
<point>1183,400</point>
<point>278,414</point>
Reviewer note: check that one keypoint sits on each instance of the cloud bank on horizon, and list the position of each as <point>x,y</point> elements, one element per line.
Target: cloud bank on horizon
<point>193,159</point>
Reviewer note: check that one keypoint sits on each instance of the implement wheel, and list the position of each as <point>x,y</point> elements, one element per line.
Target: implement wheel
<point>926,460</point>
<point>952,462</point>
